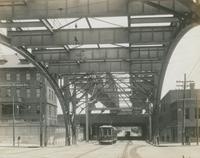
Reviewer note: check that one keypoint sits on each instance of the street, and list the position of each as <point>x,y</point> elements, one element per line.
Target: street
<point>122,149</point>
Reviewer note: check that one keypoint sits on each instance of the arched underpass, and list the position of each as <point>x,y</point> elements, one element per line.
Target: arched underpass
<point>130,59</point>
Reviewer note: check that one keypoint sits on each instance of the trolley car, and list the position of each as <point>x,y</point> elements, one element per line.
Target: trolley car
<point>107,134</point>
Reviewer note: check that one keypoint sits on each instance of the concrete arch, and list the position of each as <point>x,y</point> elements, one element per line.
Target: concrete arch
<point>51,81</point>
<point>169,54</point>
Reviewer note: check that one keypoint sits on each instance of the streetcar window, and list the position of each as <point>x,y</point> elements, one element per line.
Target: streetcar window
<point>104,132</point>
<point>109,131</point>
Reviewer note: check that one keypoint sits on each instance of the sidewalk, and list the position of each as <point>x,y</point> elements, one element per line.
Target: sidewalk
<point>170,150</point>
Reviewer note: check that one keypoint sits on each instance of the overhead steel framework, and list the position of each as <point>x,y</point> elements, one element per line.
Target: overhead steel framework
<point>114,50</point>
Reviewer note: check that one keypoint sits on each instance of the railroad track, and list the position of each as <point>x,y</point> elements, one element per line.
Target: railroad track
<point>125,151</point>
<point>88,152</point>
<point>132,151</point>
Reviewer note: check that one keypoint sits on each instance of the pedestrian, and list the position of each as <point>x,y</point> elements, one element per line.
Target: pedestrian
<point>158,140</point>
<point>18,140</point>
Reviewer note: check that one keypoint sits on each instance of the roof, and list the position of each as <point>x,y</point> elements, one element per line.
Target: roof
<point>14,61</point>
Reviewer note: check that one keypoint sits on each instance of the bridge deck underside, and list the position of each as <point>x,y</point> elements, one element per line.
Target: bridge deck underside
<point>139,48</point>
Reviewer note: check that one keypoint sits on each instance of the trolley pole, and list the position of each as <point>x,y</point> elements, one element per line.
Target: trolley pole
<point>13,114</point>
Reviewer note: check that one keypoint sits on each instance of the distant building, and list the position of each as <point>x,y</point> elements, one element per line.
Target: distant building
<point>171,115</point>
<point>22,85</point>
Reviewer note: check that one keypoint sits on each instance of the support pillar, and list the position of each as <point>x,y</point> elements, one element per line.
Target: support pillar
<point>41,118</point>
<point>67,113</point>
<point>87,119</point>
<point>45,125</point>
<point>74,130</point>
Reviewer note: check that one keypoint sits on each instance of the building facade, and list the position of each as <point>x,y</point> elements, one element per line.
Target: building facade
<point>173,127</point>
<point>25,90</point>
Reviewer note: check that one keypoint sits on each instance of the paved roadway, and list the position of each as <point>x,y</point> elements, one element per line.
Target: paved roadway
<point>122,149</point>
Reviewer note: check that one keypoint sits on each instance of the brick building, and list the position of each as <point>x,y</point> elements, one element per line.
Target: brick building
<point>23,85</point>
<point>171,115</point>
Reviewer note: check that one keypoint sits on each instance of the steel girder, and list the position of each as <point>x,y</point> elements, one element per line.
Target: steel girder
<point>20,24</point>
<point>37,9</point>
<point>161,35</point>
<point>40,9</point>
<point>97,88</point>
<point>101,60</point>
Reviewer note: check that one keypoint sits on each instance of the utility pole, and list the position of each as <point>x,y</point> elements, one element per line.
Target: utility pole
<point>41,118</point>
<point>13,115</point>
<point>87,119</point>
<point>183,108</point>
<point>184,86</point>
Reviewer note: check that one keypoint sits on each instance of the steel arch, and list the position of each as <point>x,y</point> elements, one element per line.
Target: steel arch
<point>49,78</point>
<point>171,49</point>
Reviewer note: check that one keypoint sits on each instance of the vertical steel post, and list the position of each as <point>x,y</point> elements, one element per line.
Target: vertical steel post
<point>150,128</point>
<point>43,91</point>
<point>74,123</point>
<point>45,125</point>
<point>13,113</point>
<point>87,119</point>
<point>41,120</point>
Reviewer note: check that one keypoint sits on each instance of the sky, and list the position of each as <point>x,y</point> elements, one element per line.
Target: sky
<point>185,59</point>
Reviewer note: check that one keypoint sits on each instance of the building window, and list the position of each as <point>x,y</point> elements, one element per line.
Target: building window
<point>8,92</point>
<point>187,113</point>
<point>49,94</point>
<point>7,109</point>
<point>18,77</point>
<point>50,112</point>
<point>38,76</point>
<point>28,93</point>
<point>8,76</point>
<point>195,113</point>
<point>28,76</point>
<point>18,93</point>
<point>52,95</point>
<point>37,93</point>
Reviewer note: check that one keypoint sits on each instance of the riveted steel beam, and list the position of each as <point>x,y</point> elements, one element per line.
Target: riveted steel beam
<point>95,54</point>
<point>154,20</point>
<point>47,25</point>
<point>20,24</point>
<point>88,36</point>
<point>37,9</point>
<point>105,66</point>
<point>167,9</point>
